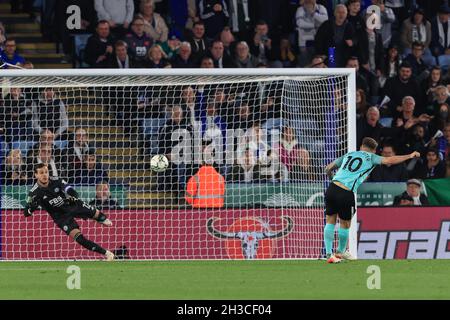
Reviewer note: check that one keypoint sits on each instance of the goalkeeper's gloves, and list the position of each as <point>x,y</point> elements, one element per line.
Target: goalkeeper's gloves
<point>27,212</point>
<point>73,200</point>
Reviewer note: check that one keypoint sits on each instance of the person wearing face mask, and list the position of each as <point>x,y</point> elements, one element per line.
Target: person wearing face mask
<point>415,140</point>
<point>432,167</point>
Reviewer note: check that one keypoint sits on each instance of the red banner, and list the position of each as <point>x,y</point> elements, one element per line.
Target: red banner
<point>384,233</point>
<point>171,234</point>
<point>404,233</point>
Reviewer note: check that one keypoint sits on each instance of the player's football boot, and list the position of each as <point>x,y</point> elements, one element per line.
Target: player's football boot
<point>109,256</point>
<point>333,259</point>
<point>345,256</point>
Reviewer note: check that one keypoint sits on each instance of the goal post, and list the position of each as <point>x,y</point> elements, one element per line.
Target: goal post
<point>246,149</point>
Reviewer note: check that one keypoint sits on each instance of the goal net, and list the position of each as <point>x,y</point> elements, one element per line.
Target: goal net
<point>246,150</point>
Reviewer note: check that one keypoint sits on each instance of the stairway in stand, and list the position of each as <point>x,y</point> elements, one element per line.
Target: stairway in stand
<point>29,39</point>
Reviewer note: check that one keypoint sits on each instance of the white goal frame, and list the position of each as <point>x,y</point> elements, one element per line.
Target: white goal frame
<point>285,73</point>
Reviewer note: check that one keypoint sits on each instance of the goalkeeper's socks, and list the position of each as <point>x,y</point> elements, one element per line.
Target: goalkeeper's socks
<point>328,237</point>
<point>343,238</point>
<point>92,246</point>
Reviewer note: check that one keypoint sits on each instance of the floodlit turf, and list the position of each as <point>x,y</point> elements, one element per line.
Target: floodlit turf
<point>400,279</point>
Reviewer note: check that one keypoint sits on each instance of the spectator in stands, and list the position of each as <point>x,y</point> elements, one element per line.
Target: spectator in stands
<point>418,65</point>
<point>365,79</point>
<point>415,140</point>
<point>9,55</point>
<point>138,41</point>
<point>262,46</point>
<point>171,46</point>
<point>121,59</point>
<point>240,18</point>
<point>358,22</point>
<point>241,118</point>
<point>440,43</point>
<point>76,149</point>
<point>309,17</point>
<point>214,14</point>
<point>103,199</point>
<point>243,57</point>
<point>391,65</point>
<point>174,178</point>
<point>91,172</point>
<point>407,118</point>
<point>207,62</point>
<point>212,124</point>
<point>289,149</point>
<point>246,169</point>
<point>118,13</point>
<point>441,118</point>
<point>15,169</point>
<point>441,143</point>
<point>46,139</point>
<point>49,112</point>
<point>389,173</point>
<point>399,87</point>
<point>441,95</point>
<point>154,25</point>
<point>45,153</point>
<point>430,168</point>
<point>156,58</point>
<point>430,84</point>
<point>99,47</point>
<point>287,55</point>
<point>361,104</point>
<point>228,40</point>
<point>338,33</point>
<point>188,101</point>
<point>15,116</point>
<point>199,43</point>
<point>369,126</point>
<point>371,50</point>
<point>217,54</point>
<point>413,187</point>
<point>387,19</point>
<point>417,29</point>
<point>183,59</point>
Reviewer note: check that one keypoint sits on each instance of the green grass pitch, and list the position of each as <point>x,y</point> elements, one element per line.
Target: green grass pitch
<point>400,279</point>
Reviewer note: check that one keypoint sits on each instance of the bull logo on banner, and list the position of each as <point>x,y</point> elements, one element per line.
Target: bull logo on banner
<point>250,238</point>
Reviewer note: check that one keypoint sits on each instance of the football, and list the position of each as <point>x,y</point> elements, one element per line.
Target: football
<point>159,163</point>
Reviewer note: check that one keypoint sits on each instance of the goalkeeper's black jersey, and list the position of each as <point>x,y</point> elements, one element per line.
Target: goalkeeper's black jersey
<point>51,198</point>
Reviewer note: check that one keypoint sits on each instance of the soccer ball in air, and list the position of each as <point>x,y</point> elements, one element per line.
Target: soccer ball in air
<point>159,163</point>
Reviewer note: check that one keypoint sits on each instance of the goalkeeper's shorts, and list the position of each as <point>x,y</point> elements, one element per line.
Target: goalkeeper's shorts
<point>67,222</point>
<point>339,201</point>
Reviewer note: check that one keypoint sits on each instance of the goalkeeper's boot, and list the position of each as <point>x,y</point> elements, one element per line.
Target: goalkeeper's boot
<point>109,256</point>
<point>345,256</point>
<point>333,259</point>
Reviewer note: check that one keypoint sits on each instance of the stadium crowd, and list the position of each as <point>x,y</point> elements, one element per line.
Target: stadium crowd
<point>402,77</point>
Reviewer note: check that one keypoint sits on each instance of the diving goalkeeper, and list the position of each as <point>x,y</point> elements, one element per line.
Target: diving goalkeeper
<point>61,202</point>
<point>354,168</point>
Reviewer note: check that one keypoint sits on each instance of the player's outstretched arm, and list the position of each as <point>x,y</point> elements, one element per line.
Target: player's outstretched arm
<point>399,159</point>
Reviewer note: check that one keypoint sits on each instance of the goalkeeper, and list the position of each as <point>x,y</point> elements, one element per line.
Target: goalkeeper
<point>354,168</point>
<point>61,202</point>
